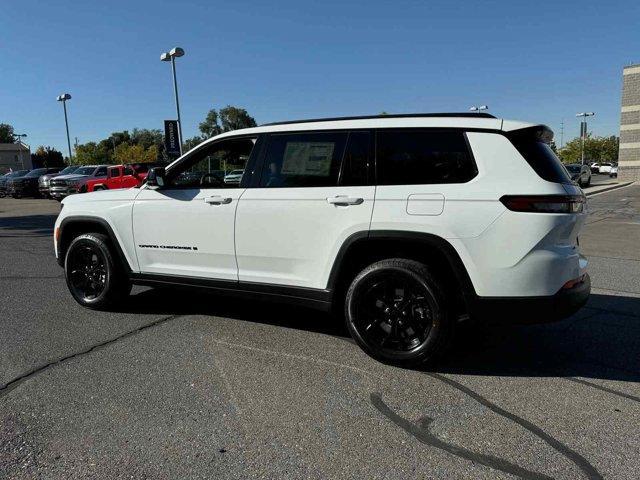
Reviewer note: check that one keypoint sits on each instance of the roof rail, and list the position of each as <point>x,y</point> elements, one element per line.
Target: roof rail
<point>370,117</point>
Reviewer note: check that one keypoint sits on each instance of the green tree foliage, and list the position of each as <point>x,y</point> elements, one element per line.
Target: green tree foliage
<point>47,157</point>
<point>6,133</point>
<point>190,143</point>
<point>126,153</point>
<point>596,149</point>
<point>119,148</point>
<point>229,118</point>
<point>91,153</point>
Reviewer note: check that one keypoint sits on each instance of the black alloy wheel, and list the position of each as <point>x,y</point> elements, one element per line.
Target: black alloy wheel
<point>88,272</point>
<point>397,313</point>
<point>95,278</point>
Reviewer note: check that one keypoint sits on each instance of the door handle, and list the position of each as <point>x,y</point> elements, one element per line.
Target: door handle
<point>217,200</point>
<point>344,200</point>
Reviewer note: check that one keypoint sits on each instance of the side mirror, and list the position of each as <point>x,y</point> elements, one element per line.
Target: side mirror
<point>155,177</point>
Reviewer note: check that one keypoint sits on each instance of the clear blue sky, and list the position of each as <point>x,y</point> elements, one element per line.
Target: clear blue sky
<point>539,61</point>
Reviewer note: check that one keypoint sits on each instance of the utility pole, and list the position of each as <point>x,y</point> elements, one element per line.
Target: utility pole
<point>562,133</point>
<point>63,98</point>
<point>171,56</point>
<point>583,132</point>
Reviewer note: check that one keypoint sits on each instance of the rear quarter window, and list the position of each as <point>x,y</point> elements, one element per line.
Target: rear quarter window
<point>533,145</point>
<point>422,156</point>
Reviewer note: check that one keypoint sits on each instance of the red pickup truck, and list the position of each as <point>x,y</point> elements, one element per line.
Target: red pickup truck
<point>119,176</point>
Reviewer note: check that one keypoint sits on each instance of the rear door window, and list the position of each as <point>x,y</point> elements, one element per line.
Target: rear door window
<point>423,156</point>
<point>355,165</point>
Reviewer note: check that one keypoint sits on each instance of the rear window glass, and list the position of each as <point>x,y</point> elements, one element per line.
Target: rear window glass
<point>409,157</point>
<point>534,147</point>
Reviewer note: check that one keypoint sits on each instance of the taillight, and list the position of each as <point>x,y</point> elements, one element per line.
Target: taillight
<point>544,203</point>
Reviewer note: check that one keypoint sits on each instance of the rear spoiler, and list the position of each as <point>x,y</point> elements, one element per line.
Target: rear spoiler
<point>539,133</point>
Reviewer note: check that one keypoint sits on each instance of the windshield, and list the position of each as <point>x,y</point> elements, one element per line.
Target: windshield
<point>19,173</point>
<point>36,173</point>
<point>573,168</point>
<point>85,171</point>
<point>69,169</point>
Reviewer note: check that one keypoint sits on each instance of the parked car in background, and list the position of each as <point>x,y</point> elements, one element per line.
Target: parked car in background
<point>233,177</point>
<point>27,185</point>
<point>65,185</point>
<point>605,168</point>
<point>8,176</point>
<point>581,174</point>
<point>595,167</point>
<point>44,180</point>
<point>613,173</point>
<point>118,176</point>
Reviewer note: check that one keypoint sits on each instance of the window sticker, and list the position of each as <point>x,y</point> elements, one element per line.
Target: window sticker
<point>308,158</point>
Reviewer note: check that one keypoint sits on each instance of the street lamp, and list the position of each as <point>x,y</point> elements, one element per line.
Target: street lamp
<point>478,108</point>
<point>171,56</point>
<point>20,143</point>
<point>63,98</point>
<point>583,131</point>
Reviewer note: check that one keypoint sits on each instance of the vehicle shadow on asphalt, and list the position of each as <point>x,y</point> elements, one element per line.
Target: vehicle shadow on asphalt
<point>602,341</point>
<point>27,225</point>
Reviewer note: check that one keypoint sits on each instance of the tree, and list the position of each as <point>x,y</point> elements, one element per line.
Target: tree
<point>596,149</point>
<point>92,153</point>
<point>126,153</point>
<point>229,118</point>
<point>47,157</point>
<point>6,133</point>
<point>190,143</point>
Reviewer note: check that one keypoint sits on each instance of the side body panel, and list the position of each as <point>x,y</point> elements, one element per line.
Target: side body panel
<point>113,207</point>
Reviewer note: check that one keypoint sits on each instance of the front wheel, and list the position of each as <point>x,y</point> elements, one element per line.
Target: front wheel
<point>94,277</point>
<point>397,312</point>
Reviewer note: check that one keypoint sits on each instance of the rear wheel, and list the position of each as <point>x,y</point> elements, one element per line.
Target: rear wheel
<point>94,277</point>
<point>397,312</point>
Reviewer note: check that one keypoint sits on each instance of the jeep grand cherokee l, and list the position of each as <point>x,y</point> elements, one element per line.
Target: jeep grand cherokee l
<point>407,224</point>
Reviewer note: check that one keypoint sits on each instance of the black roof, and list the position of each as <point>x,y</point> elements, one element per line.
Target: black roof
<point>400,115</point>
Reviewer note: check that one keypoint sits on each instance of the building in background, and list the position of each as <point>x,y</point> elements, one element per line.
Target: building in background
<point>629,156</point>
<point>14,156</point>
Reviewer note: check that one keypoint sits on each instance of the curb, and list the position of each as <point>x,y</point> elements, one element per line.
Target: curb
<point>608,189</point>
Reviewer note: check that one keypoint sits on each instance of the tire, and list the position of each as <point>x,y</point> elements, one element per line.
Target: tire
<point>405,337</point>
<point>94,276</point>
<point>588,183</point>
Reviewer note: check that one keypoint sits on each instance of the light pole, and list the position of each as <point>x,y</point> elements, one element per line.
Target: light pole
<point>583,132</point>
<point>478,108</point>
<point>63,98</point>
<point>171,56</point>
<point>20,143</point>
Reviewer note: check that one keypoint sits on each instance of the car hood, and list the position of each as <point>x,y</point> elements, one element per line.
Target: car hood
<point>71,176</point>
<point>49,176</point>
<point>117,195</point>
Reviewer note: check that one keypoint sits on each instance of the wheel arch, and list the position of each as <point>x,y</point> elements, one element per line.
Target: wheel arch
<point>363,248</point>
<point>72,226</point>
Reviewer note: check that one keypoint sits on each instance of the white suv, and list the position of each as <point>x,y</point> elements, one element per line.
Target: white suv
<point>406,223</point>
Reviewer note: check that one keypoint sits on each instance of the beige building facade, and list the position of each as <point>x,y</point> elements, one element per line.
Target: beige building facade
<point>14,156</point>
<point>629,155</point>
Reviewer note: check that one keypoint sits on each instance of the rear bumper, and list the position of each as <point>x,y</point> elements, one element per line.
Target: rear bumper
<point>534,309</point>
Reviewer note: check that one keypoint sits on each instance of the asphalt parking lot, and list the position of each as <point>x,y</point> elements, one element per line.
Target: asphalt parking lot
<point>191,385</point>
